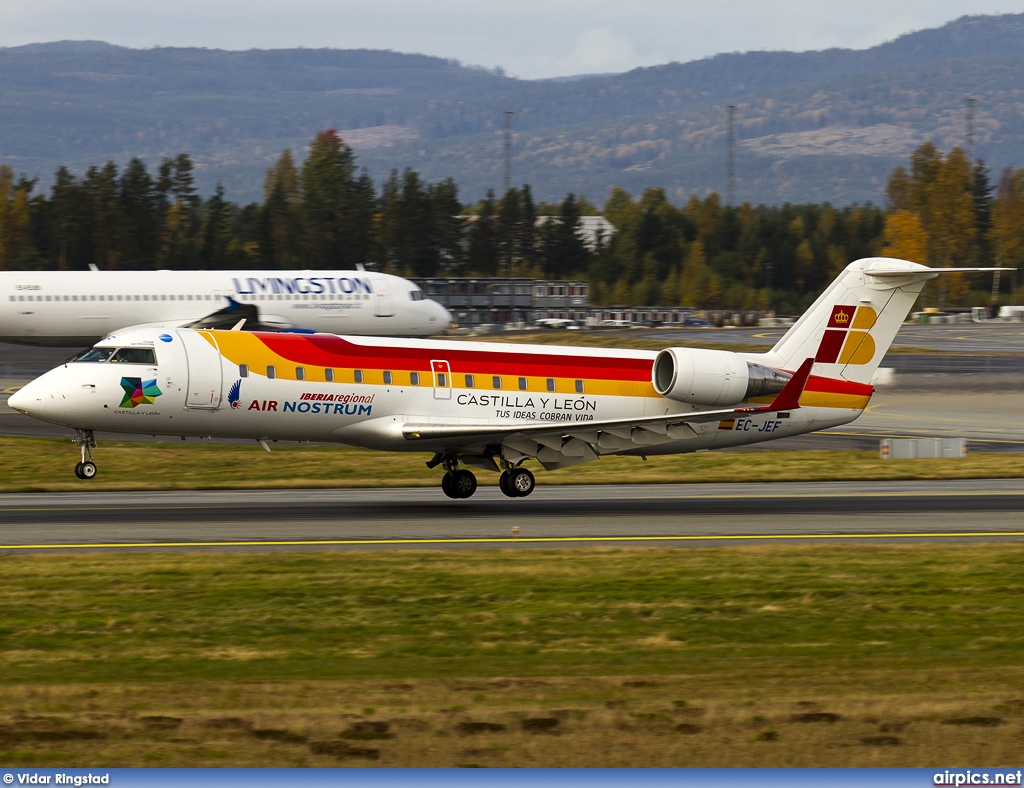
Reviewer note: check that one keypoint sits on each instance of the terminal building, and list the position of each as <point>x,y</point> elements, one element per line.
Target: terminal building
<point>520,301</point>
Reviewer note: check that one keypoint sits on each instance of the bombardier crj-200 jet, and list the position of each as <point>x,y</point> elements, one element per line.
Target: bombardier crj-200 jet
<point>78,308</point>
<point>482,405</point>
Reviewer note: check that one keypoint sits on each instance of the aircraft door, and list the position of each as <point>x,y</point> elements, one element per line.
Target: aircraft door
<point>205,380</point>
<point>382,301</point>
<point>442,379</point>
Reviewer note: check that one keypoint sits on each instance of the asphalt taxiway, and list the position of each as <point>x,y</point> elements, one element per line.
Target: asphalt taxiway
<point>705,514</point>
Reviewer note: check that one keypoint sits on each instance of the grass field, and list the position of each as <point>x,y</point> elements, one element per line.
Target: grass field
<point>794,656</point>
<point>47,465</point>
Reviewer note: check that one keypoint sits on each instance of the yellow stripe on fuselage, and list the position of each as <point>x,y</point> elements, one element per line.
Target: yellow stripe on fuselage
<point>240,348</point>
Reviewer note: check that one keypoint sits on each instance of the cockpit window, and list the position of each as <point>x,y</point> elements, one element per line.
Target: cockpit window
<point>416,295</point>
<point>95,354</point>
<point>134,355</point>
<point>123,355</point>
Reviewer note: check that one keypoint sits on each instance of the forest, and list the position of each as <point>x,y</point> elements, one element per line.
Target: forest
<point>942,210</point>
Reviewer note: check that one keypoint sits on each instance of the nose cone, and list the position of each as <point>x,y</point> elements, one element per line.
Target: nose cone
<point>440,318</point>
<point>40,399</point>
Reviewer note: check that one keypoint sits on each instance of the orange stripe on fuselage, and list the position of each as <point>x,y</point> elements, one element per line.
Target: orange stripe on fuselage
<point>602,375</point>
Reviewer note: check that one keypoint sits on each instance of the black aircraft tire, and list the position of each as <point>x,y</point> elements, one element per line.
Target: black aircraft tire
<point>505,484</point>
<point>463,484</point>
<point>78,470</point>
<point>446,485</point>
<point>88,470</point>
<point>522,482</point>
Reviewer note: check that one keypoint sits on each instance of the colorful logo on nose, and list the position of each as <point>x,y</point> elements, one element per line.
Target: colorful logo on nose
<point>138,392</point>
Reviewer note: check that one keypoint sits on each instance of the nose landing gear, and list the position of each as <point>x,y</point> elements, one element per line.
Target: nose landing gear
<point>86,469</point>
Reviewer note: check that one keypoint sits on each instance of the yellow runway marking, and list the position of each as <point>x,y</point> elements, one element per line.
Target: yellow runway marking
<point>516,540</point>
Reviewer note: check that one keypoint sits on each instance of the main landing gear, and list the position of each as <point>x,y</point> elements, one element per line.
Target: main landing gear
<point>458,484</point>
<point>515,482</point>
<point>86,469</point>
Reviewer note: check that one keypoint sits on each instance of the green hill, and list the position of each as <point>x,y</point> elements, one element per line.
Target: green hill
<point>811,126</point>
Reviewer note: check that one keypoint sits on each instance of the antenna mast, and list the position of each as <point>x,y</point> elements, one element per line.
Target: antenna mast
<point>730,156</point>
<point>969,102</point>
<point>508,148</point>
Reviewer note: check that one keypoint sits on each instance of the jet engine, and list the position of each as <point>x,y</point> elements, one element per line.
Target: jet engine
<point>713,377</point>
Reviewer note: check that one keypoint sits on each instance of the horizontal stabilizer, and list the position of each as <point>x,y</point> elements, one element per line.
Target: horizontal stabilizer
<point>881,271</point>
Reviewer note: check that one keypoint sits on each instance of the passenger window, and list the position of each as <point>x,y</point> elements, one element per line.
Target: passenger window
<point>469,381</point>
<point>579,386</point>
<point>496,382</point>
<point>359,376</point>
<point>414,378</point>
<point>300,373</point>
<point>442,380</point>
<point>522,384</point>
<point>551,384</point>
<point>329,375</point>
<point>243,370</point>
<point>271,372</point>
<point>387,378</point>
<point>134,355</point>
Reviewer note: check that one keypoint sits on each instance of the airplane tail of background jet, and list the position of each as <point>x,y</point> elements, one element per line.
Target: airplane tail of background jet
<point>848,330</point>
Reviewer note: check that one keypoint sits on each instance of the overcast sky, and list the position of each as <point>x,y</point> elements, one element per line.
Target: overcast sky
<point>528,38</point>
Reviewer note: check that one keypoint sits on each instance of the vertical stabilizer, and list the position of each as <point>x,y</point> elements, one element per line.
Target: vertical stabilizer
<point>850,327</point>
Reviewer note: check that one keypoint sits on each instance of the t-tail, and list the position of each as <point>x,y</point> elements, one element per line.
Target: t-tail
<point>849,329</point>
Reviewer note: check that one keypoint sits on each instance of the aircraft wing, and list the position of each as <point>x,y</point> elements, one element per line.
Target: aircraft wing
<point>244,316</point>
<point>570,443</point>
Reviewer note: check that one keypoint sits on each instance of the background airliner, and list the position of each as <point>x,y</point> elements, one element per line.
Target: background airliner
<point>76,308</point>
<point>486,405</point>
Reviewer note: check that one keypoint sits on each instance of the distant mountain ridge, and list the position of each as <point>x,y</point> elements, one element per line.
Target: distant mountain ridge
<point>825,125</point>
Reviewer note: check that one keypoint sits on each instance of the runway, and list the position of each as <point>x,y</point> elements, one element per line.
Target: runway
<point>708,514</point>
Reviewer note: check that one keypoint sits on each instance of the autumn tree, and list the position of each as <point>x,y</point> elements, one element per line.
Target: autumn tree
<point>1007,233</point>
<point>280,231</point>
<point>905,237</point>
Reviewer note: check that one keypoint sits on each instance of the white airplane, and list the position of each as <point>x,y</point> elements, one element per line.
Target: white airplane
<point>485,405</point>
<point>76,308</point>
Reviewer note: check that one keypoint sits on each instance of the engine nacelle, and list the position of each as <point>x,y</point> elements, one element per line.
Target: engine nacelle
<point>713,377</point>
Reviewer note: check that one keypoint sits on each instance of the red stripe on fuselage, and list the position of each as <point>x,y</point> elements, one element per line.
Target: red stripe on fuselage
<point>332,351</point>
<point>836,386</point>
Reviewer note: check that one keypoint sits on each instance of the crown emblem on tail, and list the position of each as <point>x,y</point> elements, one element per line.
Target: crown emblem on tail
<point>842,317</point>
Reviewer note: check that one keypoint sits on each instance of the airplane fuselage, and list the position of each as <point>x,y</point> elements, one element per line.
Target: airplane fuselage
<point>76,308</point>
<point>365,391</point>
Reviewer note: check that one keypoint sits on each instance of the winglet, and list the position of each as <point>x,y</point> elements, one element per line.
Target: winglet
<point>789,397</point>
